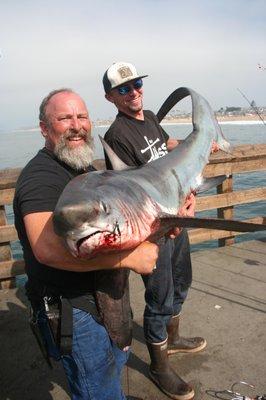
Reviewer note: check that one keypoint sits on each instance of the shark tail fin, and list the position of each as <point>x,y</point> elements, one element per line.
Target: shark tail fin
<point>167,222</point>
<point>224,145</point>
<point>220,139</point>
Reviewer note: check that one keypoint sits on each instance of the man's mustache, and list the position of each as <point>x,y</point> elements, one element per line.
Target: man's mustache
<point>70,134</point>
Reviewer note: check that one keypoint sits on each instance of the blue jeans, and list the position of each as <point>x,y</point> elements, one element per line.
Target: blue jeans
<point>94,368</point>
<point>167,287</point>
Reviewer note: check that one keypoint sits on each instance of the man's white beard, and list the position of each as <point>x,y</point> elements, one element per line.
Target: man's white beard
<point>79,157</point>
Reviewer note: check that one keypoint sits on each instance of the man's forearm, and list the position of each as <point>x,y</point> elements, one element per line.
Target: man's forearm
<point>49,249</point>
<point>140,259</point>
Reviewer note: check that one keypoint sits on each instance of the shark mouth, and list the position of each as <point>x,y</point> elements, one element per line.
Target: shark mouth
<point>77,247</point>
<point>89,244</point>
<point>85,238</point>
<point>95,240</point>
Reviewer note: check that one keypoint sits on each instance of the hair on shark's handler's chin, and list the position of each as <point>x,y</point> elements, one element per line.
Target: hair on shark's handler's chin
<point>77,157</point>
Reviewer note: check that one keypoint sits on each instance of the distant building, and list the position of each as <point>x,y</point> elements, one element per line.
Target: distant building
<point>233,109</point>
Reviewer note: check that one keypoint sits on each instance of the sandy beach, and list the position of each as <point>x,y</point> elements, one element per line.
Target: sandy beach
<point>225,119</point>
<point>221,119</point>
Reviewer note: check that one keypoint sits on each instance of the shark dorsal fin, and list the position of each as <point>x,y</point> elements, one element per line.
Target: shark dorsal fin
<point>117,164</point>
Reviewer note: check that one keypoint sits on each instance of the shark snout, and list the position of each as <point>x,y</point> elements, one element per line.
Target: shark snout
<point>68,219</point>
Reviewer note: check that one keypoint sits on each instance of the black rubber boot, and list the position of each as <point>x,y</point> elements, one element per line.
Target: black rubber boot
<point>179,344</point>
<point>164,376</point>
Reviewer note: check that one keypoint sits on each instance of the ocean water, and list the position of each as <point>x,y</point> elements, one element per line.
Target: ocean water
<point>18,147</point>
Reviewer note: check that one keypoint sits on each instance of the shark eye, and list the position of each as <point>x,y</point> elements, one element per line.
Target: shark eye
<point>104,207</point>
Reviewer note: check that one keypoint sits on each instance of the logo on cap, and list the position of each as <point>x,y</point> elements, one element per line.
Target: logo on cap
<point>125,72</point>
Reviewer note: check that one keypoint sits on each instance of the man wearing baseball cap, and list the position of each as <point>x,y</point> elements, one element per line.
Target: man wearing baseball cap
<point>137,138</point>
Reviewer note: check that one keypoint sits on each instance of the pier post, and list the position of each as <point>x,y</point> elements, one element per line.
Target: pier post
<point>5,252</point>
<point>226,212</point>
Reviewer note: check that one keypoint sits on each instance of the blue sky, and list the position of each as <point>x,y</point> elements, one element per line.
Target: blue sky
<point>212,46</point>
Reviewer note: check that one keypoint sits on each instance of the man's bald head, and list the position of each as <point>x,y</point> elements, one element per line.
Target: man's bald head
<point>44,103</point>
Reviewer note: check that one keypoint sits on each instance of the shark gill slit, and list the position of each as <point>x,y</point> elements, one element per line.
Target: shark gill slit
<point>180,190</point>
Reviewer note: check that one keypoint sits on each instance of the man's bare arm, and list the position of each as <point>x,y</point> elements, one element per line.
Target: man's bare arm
<point>49,249</point>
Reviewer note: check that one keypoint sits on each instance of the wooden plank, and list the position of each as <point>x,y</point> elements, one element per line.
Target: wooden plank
<point>11,268</point>
<point>5,249</point>
<point>203,235</point>
<point>226,212</point>
<point>8,233</point>
<point>6,196</point>
<point>228,199</point>
<point>240,153</point>
<point>3,220</point>
<point>8,177</point>
<point>229,168</point>
<point>9,172</point>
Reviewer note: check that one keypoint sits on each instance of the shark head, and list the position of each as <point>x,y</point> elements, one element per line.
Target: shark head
<point>88,226</point>
<point>93,215</point>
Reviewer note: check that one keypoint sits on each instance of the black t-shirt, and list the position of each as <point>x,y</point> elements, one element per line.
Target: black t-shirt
<point>136,142</point>
<point>38,188</point>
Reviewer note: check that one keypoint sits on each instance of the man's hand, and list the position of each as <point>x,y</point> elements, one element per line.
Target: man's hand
<point>215,147</point>
<point>188,210</point>
<point>172,143</point>
<point>143,258</point>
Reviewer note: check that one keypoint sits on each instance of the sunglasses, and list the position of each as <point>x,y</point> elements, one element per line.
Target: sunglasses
<point>125,89</point>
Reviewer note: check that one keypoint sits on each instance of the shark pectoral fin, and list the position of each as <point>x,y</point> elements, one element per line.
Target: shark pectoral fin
<point>209,183</point>
<point>168,222</point>
<point>117,164</point>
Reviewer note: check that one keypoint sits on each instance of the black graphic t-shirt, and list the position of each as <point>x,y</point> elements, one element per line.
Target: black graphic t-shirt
<point>136,142</point>
<point>38,189</point>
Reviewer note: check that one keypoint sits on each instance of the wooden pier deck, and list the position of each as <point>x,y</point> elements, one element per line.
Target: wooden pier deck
<point>226,305</point>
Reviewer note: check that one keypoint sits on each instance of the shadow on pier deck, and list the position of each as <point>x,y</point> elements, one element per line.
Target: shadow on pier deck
<point>226,305</point>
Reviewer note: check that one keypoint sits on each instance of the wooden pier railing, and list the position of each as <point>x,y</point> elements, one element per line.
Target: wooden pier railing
<point>245,158</point>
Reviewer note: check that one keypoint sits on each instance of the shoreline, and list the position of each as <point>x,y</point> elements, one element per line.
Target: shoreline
<point>223,120</point>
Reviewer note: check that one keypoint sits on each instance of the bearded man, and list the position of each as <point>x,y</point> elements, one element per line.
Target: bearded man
<point>57,282</point>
